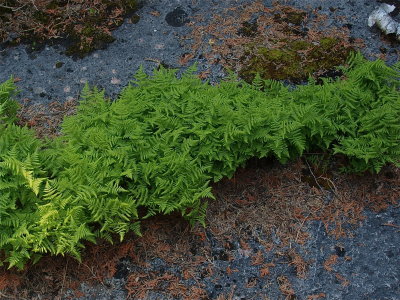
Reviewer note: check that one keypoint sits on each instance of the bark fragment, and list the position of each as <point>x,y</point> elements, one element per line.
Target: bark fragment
<point>381,18</point>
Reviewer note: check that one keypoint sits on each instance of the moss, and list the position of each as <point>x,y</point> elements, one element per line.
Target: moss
<point>41,17</point>
<point>5,16</point>
<point>59,64</point>
<point>5,10</point>
<point>248,29</point>
<point>135,19</point>
<point>92,37</point>
<point>328,42</point>
<point>290,15</point>
<point>96,39</point>
<point>299,45</point>
<point>128,5</point>
<point>88,30</point>
<point>291,62</point>
<point>131,4</point>
<point>271,63</point>
<point>56,4</point>
<point>99,19</point>
<point>296,18</point>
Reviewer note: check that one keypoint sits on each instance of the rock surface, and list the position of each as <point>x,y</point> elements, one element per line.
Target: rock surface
<point>366,266</point>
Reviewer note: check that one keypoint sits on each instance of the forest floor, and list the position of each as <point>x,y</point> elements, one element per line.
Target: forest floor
<point>297,231</point>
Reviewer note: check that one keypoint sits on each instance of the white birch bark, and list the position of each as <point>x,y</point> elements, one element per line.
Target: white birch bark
<point>381,18</point>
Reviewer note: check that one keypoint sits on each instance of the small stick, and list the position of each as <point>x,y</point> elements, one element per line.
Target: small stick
<point>391,225</point>
<point>312,173</point>
<point>153,60</point>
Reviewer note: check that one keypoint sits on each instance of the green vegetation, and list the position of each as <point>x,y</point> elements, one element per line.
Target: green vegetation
<point>290,15</point>
<point>161,143</point>
<point>276,41</point>
<point>295,61</point>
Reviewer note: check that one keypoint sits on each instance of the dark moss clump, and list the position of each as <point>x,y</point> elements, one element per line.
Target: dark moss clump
<point>59,64</point>
<point>95,34</point>
<point>248,29</point>
<point>296,61</point>
<point>290,15</point>
<point>88,40</point>
<point>86,27</point>
<point>41,17</point>
<point>135,19</point>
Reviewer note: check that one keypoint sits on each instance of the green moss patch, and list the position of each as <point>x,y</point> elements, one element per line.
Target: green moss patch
<point>295,61</point>
<point>279,42</point>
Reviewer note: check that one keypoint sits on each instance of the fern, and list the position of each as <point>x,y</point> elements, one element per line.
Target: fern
<point>161,143</point>
<point>8,107</point>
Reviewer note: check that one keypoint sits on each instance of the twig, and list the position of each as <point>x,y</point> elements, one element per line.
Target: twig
<point>298,231</point>
<point>335,190</point>
<point>392,225</point>
<point>95,276</point>
<point>154,60</point>
<point>33,3</point>
<point>312,173</point>
<point>13,8</point>
<point>11,297</point>
<point>65,273</point>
